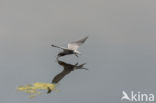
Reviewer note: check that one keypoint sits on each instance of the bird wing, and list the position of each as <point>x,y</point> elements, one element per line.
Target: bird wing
<point>75,45</point>
<point>60,76</point>
<point>67,69</point>
<point>58,47</point>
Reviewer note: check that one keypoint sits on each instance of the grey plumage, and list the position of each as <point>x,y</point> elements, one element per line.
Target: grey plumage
<point>72,48</point>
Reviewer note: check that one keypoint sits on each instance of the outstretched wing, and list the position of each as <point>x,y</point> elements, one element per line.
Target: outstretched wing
<point>58,47</point>
<point>60,76</point>
<point>75,45</point>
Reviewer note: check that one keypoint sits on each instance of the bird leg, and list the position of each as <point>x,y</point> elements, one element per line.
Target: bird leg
<point>76,55</point>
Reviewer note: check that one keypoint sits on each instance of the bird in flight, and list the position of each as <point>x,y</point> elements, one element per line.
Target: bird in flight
<point>72,48</point>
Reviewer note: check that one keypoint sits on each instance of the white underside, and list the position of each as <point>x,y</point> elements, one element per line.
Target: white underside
<point>77,52</point>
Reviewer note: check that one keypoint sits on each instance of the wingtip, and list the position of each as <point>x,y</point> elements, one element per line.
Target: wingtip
<point>53,45</point>
<point>87,37</point>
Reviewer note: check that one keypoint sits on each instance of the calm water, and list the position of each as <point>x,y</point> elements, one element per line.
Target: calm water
<point>120,53</point>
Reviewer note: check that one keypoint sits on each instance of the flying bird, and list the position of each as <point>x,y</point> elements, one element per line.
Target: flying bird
<point>72,48</point>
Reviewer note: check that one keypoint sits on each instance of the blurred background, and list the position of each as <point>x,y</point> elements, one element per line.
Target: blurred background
<point>120,52</point>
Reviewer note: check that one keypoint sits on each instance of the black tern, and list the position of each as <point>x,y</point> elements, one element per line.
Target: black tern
<point>72,48</point>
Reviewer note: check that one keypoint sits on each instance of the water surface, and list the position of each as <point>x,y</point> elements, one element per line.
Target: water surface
<point>120,53</point>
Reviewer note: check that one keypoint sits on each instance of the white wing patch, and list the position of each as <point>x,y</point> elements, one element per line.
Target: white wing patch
<point>75,45</point>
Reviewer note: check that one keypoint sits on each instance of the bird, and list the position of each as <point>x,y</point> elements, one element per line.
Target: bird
<point>72,48</point>
<point>67,69</point>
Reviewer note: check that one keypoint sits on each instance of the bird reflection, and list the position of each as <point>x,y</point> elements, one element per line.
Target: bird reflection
<point>67,69</point>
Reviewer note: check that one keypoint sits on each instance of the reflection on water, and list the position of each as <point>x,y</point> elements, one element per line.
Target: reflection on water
<point>67,69</point>
<point>34,89</point>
